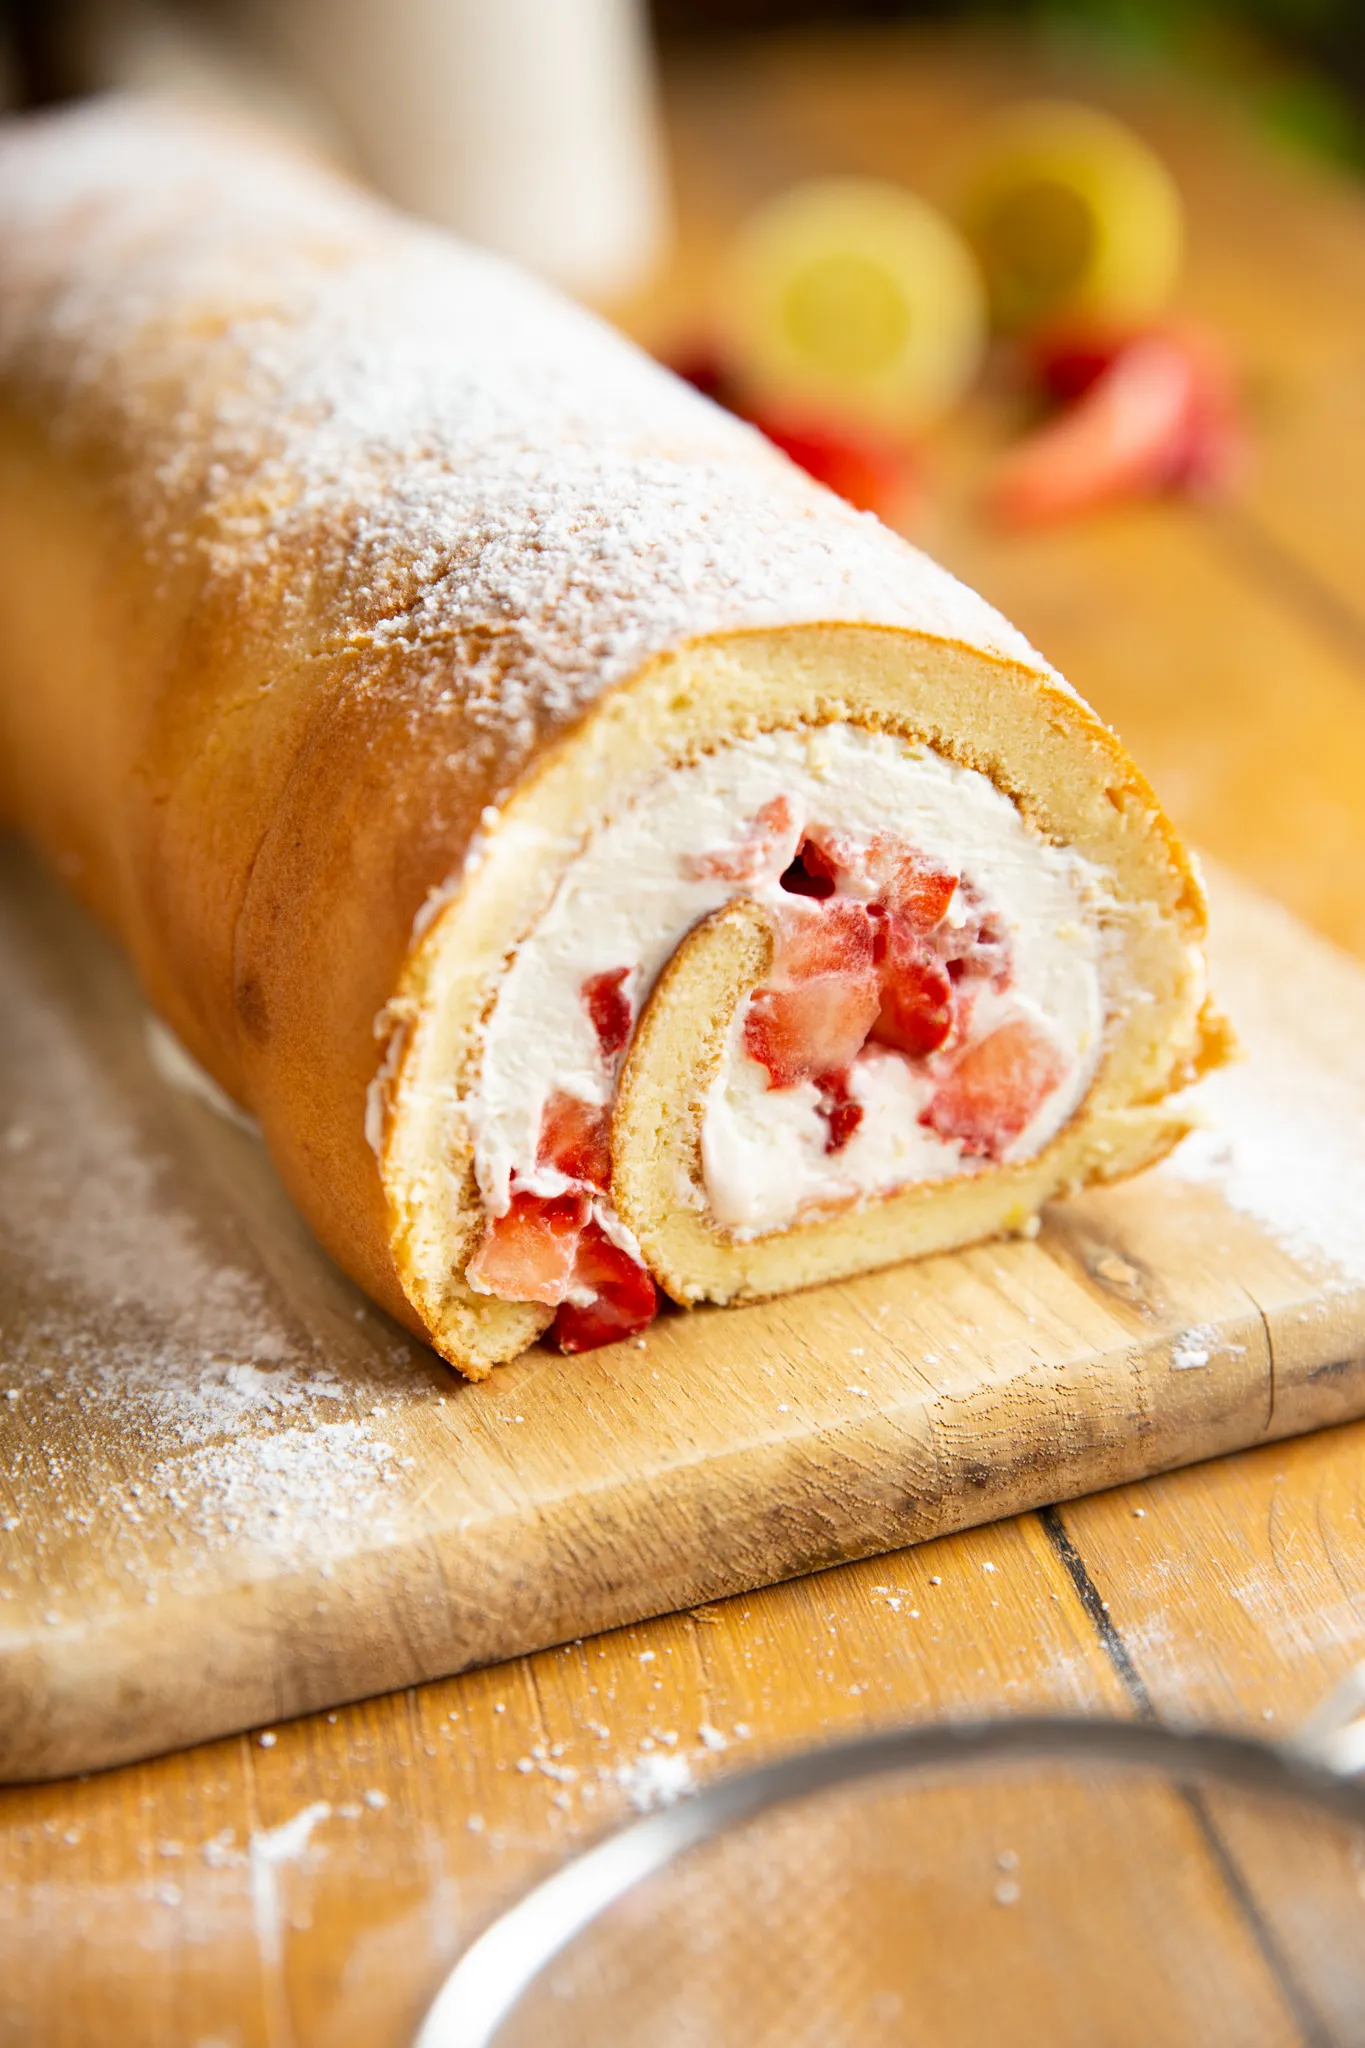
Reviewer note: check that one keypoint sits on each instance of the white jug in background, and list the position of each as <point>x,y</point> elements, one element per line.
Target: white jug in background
<point>527,125</point>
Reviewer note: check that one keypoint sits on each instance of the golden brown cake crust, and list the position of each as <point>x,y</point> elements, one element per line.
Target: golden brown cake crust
<point>324,544</point>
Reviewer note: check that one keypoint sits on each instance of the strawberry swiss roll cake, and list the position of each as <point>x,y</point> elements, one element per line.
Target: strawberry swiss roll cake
<point>602,861</point>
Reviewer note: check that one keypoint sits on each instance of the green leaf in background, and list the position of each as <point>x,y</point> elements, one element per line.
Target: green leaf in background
<point>1298,66</point>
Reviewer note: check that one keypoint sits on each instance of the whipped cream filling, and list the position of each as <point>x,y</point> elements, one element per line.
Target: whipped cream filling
<point>647,876</point>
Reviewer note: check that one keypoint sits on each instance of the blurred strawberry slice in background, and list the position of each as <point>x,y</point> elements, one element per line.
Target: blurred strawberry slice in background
<point>873,475</point>
<point>872,472</point>
<point>703,369</point>
<point>1150,412</point>
<point>1066,365</point>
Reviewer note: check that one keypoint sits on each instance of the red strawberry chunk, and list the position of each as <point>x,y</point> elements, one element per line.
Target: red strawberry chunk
<point>575,1138</point>
<point>752,855</point>
<point>903,878</point>
<point>909,882</point>
<point>608,1005</point>
<point>917,1007</point>
<point>978,949</point>
<point>816,1014</point>
<point>995,1089</point>
<point>812,872</point>
<point>836,939</point>
<point>841,1113</point>
<point>625,1299</point>
<point>528,1254</point>
<point>816,1027</point>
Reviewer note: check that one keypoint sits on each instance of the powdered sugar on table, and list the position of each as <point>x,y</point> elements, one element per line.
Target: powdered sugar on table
<point>1283,1137</point>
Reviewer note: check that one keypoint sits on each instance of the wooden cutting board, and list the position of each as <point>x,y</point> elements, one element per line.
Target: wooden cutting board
<point>232,1491</point>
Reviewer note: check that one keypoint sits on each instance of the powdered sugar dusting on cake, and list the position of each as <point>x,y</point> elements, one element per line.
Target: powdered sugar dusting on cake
<point>472,468</point>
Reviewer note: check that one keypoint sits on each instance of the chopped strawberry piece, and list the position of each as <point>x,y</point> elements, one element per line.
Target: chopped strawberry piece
<point>978,949</point>
<point>1157,416</point>
<point>575,1137</point>
<point>843,1121</point>
<point>750,858</point>
<point>608,1005</point>
<point>812,872</point>
<point>815,1015</point>
<point>909,882</point>
<point>528,1254</point>
<point>917,1008</point>
<point>996,1089</point>
<point>820,1025</point>
<point>837,938</point>
<point>835,851</point>
<point>841,1113</point>
<point>625,1297</point>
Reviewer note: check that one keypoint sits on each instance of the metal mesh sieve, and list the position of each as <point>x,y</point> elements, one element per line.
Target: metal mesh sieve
<point>1081,1883</point>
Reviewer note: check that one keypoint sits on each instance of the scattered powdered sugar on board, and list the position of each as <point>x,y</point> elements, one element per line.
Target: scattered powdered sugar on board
<point>281,1493</point>
<point>89,1205</point>
<point>1194,1347</point>
<point>1284,1136</point>
<point>162,1382</point>
<point>656,1778</point>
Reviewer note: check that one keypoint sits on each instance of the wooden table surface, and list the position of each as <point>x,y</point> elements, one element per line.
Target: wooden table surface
<point>310,1885</point>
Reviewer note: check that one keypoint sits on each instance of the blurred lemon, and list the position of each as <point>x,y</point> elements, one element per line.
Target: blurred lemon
<point>851,302</point>
<point>1072,217</point>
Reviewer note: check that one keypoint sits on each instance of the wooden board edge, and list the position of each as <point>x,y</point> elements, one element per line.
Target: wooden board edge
<point>160,1678</point>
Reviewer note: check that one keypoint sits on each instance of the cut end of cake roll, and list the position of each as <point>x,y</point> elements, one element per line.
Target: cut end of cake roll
<point>811,951</point>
